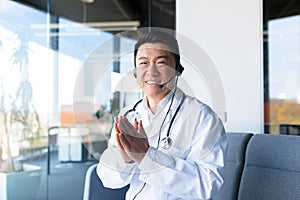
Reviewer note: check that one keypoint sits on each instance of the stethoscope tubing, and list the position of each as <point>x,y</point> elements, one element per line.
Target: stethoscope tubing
<point>133,109</point>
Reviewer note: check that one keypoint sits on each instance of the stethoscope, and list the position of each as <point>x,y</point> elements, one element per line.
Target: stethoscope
<point>165,142</point>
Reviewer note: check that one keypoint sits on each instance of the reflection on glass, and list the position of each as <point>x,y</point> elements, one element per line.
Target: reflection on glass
<point>284,72</point>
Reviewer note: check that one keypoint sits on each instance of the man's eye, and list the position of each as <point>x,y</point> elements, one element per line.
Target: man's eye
<point>161,63</point>
<point>143,63</point>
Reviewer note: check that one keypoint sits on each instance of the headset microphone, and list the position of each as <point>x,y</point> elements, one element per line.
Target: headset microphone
<point>162,85</point>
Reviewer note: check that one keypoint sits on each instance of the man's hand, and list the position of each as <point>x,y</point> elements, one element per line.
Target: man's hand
<point>132,139</point>
<point>125,157</point>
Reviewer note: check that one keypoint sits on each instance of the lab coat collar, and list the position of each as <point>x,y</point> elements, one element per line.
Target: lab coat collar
<point>165,102</point>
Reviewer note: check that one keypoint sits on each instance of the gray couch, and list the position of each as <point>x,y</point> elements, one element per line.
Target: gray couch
<point>258,167</point>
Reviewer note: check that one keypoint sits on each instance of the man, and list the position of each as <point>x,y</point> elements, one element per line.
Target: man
<point>171,146</point>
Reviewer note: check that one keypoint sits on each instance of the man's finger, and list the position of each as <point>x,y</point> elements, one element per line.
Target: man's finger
<point>124,142</point>
<point>118,141</point>
<point>126,127</point>
<point>141,130</point>
<point>135,124</point>
<point>116,121</point>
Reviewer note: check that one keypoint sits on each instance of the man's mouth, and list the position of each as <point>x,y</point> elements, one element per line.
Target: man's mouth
<point>152,82</point>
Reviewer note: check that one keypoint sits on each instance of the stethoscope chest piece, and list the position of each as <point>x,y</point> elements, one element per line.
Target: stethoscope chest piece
<point>166,142</point>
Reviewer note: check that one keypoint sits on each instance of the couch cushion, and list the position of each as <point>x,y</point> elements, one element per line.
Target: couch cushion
<point>234,163</point>
<point>272,168</point>
<point>94,188</point>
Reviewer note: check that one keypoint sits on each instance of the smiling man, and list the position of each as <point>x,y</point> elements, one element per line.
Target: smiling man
<point>174,147</point>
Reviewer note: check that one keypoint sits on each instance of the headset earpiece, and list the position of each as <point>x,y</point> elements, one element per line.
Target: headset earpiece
<point>134,72</point>
<point>179,69</point>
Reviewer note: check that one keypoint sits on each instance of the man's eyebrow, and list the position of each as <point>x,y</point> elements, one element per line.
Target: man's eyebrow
<point>158,57</point>
<point>163,56</point>
<point>143,57</point>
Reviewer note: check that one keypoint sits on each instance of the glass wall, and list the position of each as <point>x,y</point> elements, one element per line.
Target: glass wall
<point>61,75</point>
<point>25,80</point>
<point>282,66</point>
<point>42,57</point>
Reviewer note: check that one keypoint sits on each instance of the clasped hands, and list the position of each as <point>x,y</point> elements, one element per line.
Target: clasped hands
<point>131,139</point>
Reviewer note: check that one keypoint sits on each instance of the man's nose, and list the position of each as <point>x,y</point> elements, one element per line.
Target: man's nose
<point>152,67</point>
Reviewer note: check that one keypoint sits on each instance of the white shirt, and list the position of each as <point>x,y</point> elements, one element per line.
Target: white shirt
<point>190,169</point>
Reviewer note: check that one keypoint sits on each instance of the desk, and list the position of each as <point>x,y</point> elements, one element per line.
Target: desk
<point>78,148</point>
<point>79,143</point>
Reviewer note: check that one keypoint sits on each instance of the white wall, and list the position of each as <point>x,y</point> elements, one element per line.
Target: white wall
<point>230,32</point>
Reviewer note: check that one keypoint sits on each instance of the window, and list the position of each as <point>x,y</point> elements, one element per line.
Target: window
<point>282,61</point>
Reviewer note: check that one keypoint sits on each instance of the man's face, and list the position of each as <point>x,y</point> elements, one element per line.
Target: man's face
<point>155,65</point>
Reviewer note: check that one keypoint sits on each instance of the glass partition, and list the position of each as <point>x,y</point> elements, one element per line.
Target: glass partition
<point>282,71</point>
<point>47,57</point>
<point>25,79</point>
<point>42,57</point>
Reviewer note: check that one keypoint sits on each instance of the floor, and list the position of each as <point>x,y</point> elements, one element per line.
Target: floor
<point>66,179</point>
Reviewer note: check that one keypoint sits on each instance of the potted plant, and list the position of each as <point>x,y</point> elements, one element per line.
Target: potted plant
<point>19,122</point>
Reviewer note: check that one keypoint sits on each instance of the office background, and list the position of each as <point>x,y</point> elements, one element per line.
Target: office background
<point>58,58</point>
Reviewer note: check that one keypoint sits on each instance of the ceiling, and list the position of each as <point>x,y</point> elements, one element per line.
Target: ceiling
<point>162,11</point>
<point>155,13</point>
<point>274,9</point>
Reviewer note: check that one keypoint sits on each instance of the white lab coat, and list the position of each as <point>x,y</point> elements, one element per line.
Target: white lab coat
<point>190,169</point>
